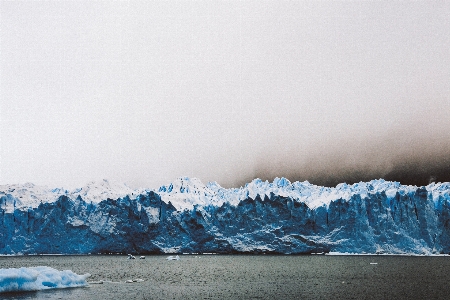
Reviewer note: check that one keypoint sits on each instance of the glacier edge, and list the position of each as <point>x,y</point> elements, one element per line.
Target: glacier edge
<point>187,216</point>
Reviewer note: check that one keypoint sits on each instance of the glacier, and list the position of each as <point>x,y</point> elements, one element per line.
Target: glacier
<point>187,216</point>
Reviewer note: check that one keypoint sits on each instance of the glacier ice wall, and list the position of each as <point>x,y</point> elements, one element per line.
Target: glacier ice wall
<point>262,217</point>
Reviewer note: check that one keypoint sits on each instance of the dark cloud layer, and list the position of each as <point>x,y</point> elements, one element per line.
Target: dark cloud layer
<point>419,172</point>
<point>417,157</point>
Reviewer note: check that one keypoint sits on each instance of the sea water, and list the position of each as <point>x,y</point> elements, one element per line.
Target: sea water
<point>245,277</point>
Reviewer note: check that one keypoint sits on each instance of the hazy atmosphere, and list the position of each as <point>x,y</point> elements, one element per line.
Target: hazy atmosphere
<point>226,91</point>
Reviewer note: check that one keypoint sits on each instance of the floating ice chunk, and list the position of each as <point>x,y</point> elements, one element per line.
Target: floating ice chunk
<point>173,257</point>
<point>134,280</point>
<point>39,278</point>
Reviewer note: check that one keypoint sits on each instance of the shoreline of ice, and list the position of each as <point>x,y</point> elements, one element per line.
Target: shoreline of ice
<point>383,254</point>
<point>245,254</point>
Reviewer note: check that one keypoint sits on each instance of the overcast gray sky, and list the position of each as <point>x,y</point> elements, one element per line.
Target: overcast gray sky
<point>144,92</point>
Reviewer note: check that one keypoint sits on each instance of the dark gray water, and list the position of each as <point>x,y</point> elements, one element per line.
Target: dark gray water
<point>247,277</point>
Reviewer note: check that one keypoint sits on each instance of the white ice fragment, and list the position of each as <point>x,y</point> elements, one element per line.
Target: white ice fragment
<point>173,257</point>
<point>39,278</point>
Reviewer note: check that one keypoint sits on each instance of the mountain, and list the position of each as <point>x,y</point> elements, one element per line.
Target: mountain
<point>261,217</point>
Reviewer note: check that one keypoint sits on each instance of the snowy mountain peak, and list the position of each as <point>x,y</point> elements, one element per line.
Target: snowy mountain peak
<point>184,185</point>
<point>281,182</point>
<point>26,195</point>
<point>213,185</point>
<point>14,196</point>
<point>97,191</point>
<point>185,193</point>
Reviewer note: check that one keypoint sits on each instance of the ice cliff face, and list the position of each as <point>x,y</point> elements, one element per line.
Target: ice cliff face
<point>261,217</point>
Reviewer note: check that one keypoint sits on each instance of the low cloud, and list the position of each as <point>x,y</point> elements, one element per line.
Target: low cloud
<point>406,158</point>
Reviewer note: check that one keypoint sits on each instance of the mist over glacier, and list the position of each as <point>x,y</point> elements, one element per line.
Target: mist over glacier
<point>187,216</point>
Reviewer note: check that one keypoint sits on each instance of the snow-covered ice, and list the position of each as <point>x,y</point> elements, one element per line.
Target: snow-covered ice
<point>31,195</point>
<point>185,193</point>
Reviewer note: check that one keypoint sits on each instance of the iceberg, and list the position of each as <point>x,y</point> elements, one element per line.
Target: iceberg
<point>173,257</point>
<point>39,278</point>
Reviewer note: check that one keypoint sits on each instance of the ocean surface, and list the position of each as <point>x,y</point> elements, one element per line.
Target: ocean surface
<point>246,277</point>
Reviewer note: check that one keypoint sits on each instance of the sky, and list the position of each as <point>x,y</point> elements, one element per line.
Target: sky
<point>227,91</point>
